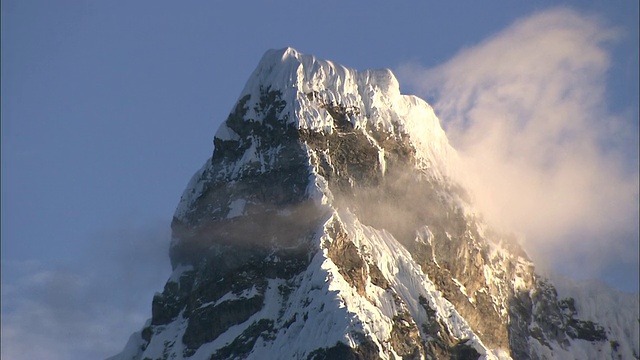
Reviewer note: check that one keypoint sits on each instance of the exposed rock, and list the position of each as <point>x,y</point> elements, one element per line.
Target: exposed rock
<point>341,351</point>
<point>345,255</point>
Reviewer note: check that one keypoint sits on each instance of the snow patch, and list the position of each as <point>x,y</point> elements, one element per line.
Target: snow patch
<point>192,191</point>
<point>225,133</point>
<point>245,294</point>
<point>178,272</point>
<point>236,208</point>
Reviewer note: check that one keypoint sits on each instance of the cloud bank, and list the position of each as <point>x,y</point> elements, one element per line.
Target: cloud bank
<point>527,111</point>
<point>89,312</point>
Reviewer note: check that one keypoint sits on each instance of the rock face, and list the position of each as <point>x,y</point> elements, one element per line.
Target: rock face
<point>328,224</point>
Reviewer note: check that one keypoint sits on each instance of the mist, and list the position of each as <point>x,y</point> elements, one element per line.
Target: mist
<point>527,111</point>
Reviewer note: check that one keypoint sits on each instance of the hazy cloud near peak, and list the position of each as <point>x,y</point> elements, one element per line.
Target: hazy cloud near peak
<point>526,109</point>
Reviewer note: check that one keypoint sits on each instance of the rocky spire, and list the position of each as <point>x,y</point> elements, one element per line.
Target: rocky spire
<point>328,225</point>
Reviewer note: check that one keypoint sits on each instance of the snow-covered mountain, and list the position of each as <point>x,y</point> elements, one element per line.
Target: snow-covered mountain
<point>330,223</point>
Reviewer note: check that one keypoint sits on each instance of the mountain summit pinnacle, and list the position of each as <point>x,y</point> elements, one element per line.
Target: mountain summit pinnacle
<point>328,225</point>
<point>313,90</point>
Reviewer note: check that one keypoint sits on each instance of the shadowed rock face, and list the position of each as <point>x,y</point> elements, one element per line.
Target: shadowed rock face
<point>269,238</point>
<point>247,246</point>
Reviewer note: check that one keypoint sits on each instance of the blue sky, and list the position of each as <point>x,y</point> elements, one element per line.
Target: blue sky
<point>108,108</point>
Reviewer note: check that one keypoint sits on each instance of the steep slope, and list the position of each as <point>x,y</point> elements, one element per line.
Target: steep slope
<point>328,224</point>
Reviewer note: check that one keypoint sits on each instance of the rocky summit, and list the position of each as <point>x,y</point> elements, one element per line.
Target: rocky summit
<point>330,223</point>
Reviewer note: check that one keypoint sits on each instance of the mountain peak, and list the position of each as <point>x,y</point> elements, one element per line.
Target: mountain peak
<point>282,54</point>
<point>324,227</point>
<point>293,72</point>
<point>313,90</point>
<point>288,68</point>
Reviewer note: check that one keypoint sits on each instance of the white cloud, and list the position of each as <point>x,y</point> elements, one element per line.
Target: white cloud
<point>526,110</point>
<point>56,313</point>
